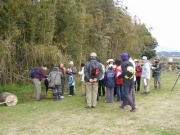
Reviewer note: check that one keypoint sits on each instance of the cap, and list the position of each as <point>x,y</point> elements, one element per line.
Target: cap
<point>93,54</point>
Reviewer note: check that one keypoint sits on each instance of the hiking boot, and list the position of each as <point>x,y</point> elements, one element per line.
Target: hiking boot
<point>39,100</point>
<point>122,107</point>
<point>88,107</point>
<point>93,106</point>
<point>133,109</point>
<point>147,92</point>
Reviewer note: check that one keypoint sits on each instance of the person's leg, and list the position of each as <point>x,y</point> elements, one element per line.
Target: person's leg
<point>99,88</point>
<point>122,92</point>
<point>111,94</point>
<point>138,81</point>
<point>102,87</point>
<point>83,87</point>
<point>94,94</point>
<point>37,88</point>
<point>58,87</point>
<point>62,87</point>
<point>89,94</point>
<point>155,82</point>
<point>159,81</point>
<point>55,93</point>
<point>107,95</point>
<point>118,92</point>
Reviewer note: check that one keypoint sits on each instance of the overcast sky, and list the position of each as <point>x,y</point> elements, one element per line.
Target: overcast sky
<point>163,16</point>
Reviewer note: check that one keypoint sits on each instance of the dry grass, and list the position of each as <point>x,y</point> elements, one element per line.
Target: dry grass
<point>158,114</point>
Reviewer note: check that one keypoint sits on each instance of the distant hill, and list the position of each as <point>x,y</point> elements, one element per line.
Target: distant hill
<point>164,53</point>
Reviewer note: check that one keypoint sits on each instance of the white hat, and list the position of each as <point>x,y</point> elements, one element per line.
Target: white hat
<point>144,58</point>
<point>71,62</point>
<point>135,60</point>
<point>111,60</point>
<point>93,54</point>
<point>107,61</point>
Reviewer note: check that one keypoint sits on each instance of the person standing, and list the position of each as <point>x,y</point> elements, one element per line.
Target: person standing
<point>70,81</point>
<point>39,75</point>
<point>71,70</point>
<point>127,83</point>
<point>101,82</point>
<point>110,82</point>
<point>63,70</point>
<point>119,81</point>
<point>56,76</point>
<point>145,75</point>
<point>83,87</point>
<point>156,69</point>
<point>93,72</point>
<point>138,70</point>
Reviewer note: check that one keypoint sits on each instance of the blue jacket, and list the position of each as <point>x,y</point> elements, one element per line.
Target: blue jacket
<point>110,78</point>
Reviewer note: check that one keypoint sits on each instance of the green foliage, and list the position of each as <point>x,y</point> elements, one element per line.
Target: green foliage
<point>74,27</point>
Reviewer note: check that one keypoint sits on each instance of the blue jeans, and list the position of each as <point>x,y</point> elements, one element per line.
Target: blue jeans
<point>120,92</point>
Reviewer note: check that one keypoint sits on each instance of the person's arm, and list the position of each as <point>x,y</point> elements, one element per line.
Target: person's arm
<point>124,71</point>
<point>41,73</point>
<point>74,70</point>
<point>86,70</point>
<point>159,67</point>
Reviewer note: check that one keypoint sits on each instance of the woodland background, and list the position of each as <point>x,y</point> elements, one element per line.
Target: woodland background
<point>33,32</point>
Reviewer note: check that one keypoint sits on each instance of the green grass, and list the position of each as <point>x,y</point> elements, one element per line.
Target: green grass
<point>158,113</point>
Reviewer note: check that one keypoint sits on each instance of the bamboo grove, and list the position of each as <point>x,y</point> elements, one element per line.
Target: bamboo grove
<point>33,32</point>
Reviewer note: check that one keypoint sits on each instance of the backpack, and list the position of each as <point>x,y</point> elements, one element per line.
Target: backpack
<point>130,72</point>
<point>32,71</point>
<point>94,69</point>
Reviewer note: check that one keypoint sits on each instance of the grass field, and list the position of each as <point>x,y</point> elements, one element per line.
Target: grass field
<point>158,114</point>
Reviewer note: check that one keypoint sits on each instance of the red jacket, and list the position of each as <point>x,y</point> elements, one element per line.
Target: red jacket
<point>138,70</point>
<point>118,71</point>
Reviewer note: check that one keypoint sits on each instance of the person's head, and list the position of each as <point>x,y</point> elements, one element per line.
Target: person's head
<point>93,55</point>
<point>45,67</point>
<point>118,62</point>
<point>144,59</point>
<point>157,58</point>
<point>61,65</point>
<point>82,64</point>
<point>124,56</point>
<point>136,61</point>
<point>71,63</point>
<point>111,61</point>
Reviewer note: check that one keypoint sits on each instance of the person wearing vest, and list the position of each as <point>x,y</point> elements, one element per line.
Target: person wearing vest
<point>91,82</point>
<point>145,75</point>
<point>156,69</point>
<point>127,83</point>
<point>119,81</point>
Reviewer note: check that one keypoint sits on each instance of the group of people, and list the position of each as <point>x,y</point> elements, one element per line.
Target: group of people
<point>115,79</point>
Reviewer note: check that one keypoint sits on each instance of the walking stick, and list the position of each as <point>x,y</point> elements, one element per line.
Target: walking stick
<point>176,81</point>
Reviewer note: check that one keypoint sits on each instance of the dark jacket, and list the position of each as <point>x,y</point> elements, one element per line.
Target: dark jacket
<point>110,78</point>
<point>86,70</point>
<point>124,66</point>
<point>157,71</point>
<point>40,74</point>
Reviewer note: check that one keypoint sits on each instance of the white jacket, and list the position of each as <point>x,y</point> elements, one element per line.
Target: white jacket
<point>82,74</point>
<point>146,70</point>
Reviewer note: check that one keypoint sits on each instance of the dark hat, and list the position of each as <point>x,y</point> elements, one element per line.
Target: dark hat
<point>118,62</point>
<point>124,56</point>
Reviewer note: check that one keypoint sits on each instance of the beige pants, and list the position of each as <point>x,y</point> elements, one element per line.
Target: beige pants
<point>145,84</point>
<point>91,93</point>
<point>83,88</point>
<point>37,88</point>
